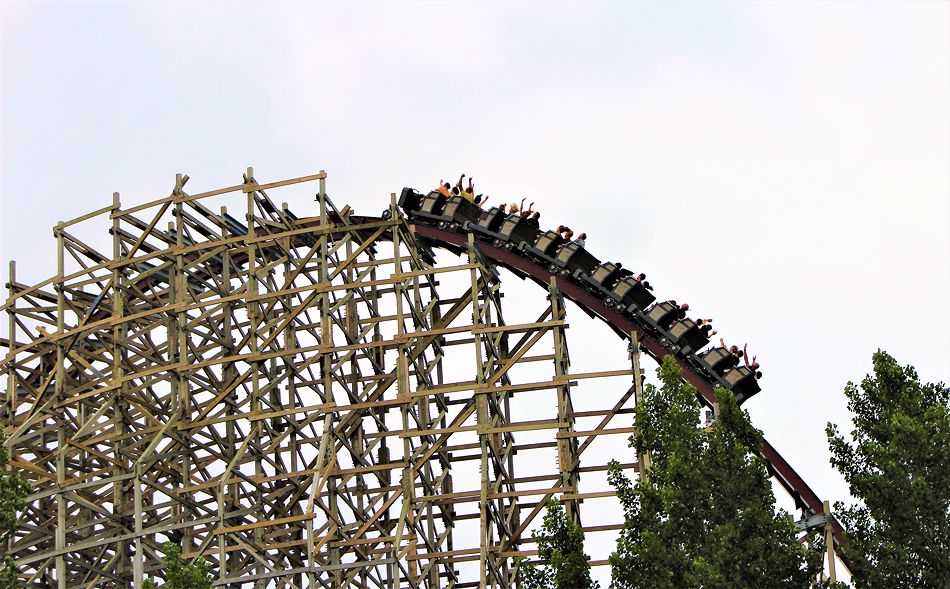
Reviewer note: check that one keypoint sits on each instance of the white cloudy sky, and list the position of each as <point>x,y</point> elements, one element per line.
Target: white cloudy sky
<point>783,167</point>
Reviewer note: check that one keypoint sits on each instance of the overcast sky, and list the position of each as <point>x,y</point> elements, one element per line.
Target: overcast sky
<point>783,167</point>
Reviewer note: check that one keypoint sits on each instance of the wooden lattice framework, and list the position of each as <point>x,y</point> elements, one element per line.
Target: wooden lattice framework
<point>293,398</point>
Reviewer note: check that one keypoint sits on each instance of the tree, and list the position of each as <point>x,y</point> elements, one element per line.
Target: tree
<point>561,545</point>
<point>705,517</point>
<point>182,575</point>
<point>897,464</point>
<point>14,490</point>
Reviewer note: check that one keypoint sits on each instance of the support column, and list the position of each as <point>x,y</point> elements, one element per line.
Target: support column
<point>829,543</point>
<point>402,392</point>
<point>61,426</point>
<point>180,346</point>
<point>12,385</point>
<point>257,321</point>
<point>138,561</point>
<point>120,494</point>
<point>485,560</point>
<point>644,461</point>
<point>566,443</point>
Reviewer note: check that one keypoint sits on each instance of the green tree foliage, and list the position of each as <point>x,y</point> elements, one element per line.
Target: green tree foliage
<point>706,518</point>
<point>14,490</point>
<point>9,574</point>
<point>897,463</point>
<point>183,575</point>
<point>561,545</point>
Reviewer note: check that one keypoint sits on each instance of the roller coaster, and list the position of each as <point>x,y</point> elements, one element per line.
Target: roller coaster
<point>297,400</point>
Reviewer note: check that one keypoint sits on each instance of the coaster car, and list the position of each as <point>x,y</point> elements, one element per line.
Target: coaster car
<point>717,360</point>
<point>545,247</point>
<point>742,382</point>
<point>516,231</point>
<point>687,334</point>
<point>574,259</point>
<point>604,277</point>
<point>630,294</point>
<point>662,315</point>
<point>410,200</point>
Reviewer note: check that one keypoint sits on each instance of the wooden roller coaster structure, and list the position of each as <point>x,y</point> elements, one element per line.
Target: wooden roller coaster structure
<point>299,400</point>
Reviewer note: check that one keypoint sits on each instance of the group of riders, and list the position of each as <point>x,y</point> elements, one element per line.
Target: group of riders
<point>461,190</point>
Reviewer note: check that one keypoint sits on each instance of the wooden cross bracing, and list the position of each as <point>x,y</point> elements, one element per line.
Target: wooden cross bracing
<point>287,397</point>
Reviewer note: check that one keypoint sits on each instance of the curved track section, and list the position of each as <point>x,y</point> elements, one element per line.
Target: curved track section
<point>623,325</point>
<point>306,401</point>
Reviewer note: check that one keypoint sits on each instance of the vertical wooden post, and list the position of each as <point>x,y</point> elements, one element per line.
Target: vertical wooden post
<point>566,444</point>
<point>643,458</point>
<point>180,346</point>
<point>402,391</point>
<point>120,497</point>
<point>227,493</point>
<point>829,542</point>
<point>138,560</point>
<point>12,386</point>
<point>59,389</point>
<point>484,422</point>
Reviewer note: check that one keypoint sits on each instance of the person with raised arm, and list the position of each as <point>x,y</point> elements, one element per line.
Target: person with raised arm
<point>469,192</point>
<point>734,351</point>
<point>752,366</point>
<point>705,325</point>
<point>526,211</point>
<point>444,188</point>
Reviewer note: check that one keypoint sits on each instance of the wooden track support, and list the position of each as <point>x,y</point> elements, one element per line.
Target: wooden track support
<point>304,401</point>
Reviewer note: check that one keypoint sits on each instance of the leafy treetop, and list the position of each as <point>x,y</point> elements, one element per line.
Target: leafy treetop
<point>897,464</point>
<point>561,545</point>
<point>14,490</point>
<point>183,575</point>
<point>706,517</point>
